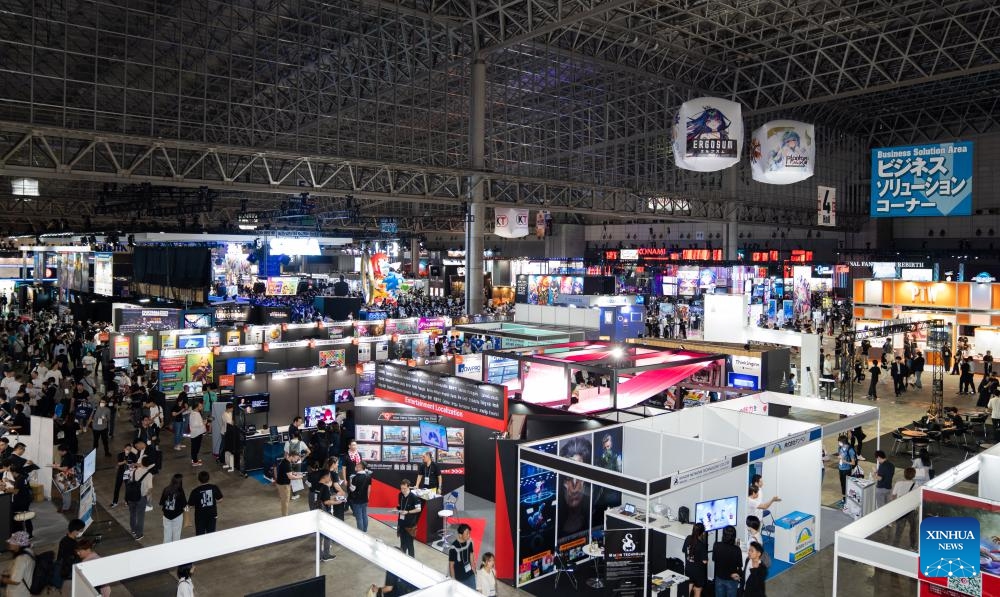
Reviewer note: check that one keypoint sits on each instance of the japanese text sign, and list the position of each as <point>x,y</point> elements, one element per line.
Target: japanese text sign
<point>922,180</point>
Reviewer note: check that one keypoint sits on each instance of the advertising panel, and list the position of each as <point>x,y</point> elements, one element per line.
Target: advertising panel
<point>103,277</point>
<point>282,286</point>
<point>121,347</point>
<point>783,152</point>
<point>922,180</point>
<point>537,512</point>
<point>332,358</point>
<point>958,517</point>
<point>454,397</point>
<point>547,290</point>
<point>708,134</point>
<point>510,222</point>
<point>137,320</point>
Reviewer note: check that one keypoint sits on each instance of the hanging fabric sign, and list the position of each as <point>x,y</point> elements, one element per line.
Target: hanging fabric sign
<point>708,134</point>
<point>509,222</point>
<point>783,152</point>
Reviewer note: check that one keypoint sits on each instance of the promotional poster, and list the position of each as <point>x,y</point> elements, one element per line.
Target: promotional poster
<point>783,152</point>
<point>707,134</point>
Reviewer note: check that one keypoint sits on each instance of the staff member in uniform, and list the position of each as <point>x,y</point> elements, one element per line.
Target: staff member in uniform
<point>408,508</point>
<point>429,474</point>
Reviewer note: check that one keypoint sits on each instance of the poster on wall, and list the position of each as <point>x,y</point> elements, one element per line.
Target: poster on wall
<point>103,276</point>
<point>173,374</point>
<point>186,370</point>
<point>801,295</point>
<point>537,515</point>
<point>783,152</point>
<point>121,347</point>
<point>232,338</point>
<point>332,358</point>
<point>546,290</point>
<point>607,455</point>
<point>922,180</point>
<point>574,508</point>
<point>946,504</point>
<point>707,134</point>
<point>143,344</point>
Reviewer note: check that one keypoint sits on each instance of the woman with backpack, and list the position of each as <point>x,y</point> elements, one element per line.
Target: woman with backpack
<point>137,488</point>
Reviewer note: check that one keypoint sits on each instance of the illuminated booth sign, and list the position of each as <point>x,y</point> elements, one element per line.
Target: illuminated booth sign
<point>783,152</point>
<point>922,180</point>
<point>708,134</point>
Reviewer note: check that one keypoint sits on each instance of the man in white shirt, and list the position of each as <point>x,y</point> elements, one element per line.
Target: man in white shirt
<point>756,507</point>
<point>994,406</point>
<point>55,375</point>
<point>10,384</point>
<point>89,363</point>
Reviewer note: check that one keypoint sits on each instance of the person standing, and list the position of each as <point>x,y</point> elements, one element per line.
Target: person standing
<point>486,576</point>
<point>66,556</point>
<point>99,422</point>
<point>847,459</point>
<point>900,489</point>
<point>137,488</point>
<point>429,473</point>
<point>124,459</point>
<point>883,479</point>
<point>461,555</point>
<point>177,415</point>
<point>728,564</point>
<point>695,551</point>
<point>205,500</point>
<point>360,490</point>
<point>173,502</point>
<point>22,567</point>
<point>197,431</point>
<point>898,376</point>
<point>185,587</point>
<point>754,572</point>
<point>85,553</point>
<point>323,499</point>
<point>408,507</point>
<point>875,371</point>
<point>966,384</point>
<point>283,475</point>
<point>230,441</point>
<point>946,357</point>
<point>987,363</point>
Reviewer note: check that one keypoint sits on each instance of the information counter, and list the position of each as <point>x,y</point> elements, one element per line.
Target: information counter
<point>429,524</point>
<point>794,537</point>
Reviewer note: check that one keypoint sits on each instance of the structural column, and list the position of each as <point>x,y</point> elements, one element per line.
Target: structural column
<point>476,211</point>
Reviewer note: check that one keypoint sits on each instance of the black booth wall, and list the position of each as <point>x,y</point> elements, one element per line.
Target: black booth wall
<point>291,395</point>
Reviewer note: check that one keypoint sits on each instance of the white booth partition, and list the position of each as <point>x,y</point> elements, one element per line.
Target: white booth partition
<point>698,460</point>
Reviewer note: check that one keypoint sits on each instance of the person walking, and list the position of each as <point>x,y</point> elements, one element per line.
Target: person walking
<point>728,564</point>
<point>137,488</point>
<point>99,422</point>
<point>918,369</point>
<point>461,555</point>
<point>205,500</point>
<point>197,428</point>
<point>85,553</point>
<point>486,576</point>
<point>408,508</point>
<point>754,572</point>
<point>173,503</point>
<point>874,372</point>
<point>284,473</point>
<point>359,492</point>
<point>884,471</point>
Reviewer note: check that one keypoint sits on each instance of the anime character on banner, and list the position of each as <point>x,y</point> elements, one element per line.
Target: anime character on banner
<point>382,280</point>
<point>801,293</point>
<point>707,134</point>
<point>783,152</point>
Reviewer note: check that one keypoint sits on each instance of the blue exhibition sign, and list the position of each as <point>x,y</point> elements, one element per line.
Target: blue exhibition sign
<point>922,180</point>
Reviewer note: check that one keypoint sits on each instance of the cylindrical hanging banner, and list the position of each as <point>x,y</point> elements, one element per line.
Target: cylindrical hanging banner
<point>708,134</point>
<point>783,152</point>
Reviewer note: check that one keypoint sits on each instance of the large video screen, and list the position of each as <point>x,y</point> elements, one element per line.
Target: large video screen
<point>716,514</point>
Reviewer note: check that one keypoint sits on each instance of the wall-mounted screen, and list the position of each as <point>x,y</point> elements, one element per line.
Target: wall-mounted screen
<point>342,395</point>
<point>314,414</point>
<point>241,365</point>
<point>716,514</point>
<point>254,403</point>
<point>434,435</point>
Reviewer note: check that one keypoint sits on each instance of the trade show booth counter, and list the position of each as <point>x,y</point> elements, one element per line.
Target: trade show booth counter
<point>646,476</point>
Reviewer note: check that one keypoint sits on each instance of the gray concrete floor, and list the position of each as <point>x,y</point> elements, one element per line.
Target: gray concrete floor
<point>247,500</point>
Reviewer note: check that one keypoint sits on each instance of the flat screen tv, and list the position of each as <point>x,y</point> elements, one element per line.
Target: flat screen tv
<point>342,395</point>
<point>241,365</point>
<point>254,403</point>
<point>716,514</point>
<point>314,414</point>
<point>434,435</point>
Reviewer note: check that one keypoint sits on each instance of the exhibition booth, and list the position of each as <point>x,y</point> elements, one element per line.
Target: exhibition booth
<point>753,367</point>
<point>860,549</point>
<point>728,320</point>
<point>167,557</point>
<point>653,478</point>
<point>587,377</point>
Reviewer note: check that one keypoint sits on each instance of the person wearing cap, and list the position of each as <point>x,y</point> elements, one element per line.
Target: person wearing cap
<point>22,567</point>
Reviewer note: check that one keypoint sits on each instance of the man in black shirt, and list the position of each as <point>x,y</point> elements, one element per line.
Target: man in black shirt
<point>408,507</point>
<point>462,556</point>
<point>340,288</point>
<point>394,586</point>
<point>428,473</point>
<point>728,563</point>
<point>21,423</point>
<point>205,499</point>
<point>360,486</point>
<point>5,449</point>
<point>66,554</point>
<point>883,475</point>
<point>126,457</point>
<point>283,475</point>
<point>323,499</point>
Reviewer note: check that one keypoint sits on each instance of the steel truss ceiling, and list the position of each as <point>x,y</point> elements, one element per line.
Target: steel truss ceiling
<point>370,97</point>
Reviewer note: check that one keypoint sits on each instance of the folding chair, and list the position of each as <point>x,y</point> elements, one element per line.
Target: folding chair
<point>567,568</point>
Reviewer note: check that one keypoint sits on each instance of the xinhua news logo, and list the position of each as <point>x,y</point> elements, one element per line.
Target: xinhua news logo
<point>949,547</point>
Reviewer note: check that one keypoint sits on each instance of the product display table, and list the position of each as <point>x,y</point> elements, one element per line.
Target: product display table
<point>860,499</point>
<point>794,537</point>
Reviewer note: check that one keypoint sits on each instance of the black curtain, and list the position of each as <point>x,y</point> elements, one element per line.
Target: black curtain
<point>178,267</point>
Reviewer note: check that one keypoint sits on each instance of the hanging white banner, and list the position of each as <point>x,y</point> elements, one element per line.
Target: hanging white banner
<point>510,222</point>
<point>783,152</point>
<point>708,134</point>
<point>826,206</point>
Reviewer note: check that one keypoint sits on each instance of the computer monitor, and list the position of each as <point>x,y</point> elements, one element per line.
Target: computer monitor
<point>434,435</point>
<point>254,403</point>
<point>314,414</point>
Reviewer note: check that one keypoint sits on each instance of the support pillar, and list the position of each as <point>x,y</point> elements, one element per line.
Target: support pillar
<point>730,234</point>
<point>476,211</point>
<point>415,256</point>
